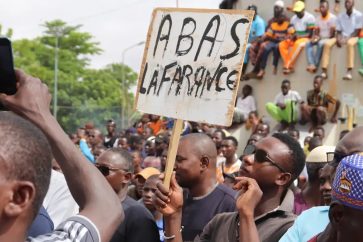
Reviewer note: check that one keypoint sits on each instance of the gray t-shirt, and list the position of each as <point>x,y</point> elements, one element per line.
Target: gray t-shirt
<point>75,229</point>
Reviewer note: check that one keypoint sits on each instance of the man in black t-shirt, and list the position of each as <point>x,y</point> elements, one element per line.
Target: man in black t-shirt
<point>195,170</point>
<point>116,164</point>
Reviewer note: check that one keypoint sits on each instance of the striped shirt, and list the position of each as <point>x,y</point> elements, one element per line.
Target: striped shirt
<point>74,229</point>
<point>303,25</point>
<point>278,31</point>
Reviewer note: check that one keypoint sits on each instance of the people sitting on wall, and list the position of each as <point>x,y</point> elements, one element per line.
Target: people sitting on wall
<point>324,35</point>
<point>284,109</point>
<point>318,100</point>
<point>244,105</point>
<point>304,23</point>
<point>255,38</point>
<point>349,25</point>
<point>277,30</point>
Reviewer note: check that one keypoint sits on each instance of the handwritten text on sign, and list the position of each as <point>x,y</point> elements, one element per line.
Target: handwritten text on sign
<point>192,64</point>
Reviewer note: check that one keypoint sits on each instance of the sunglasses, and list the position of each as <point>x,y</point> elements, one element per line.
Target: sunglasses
<point>105,170</point>
<point>261,156</point>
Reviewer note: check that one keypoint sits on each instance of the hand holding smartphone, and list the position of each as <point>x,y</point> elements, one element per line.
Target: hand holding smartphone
<point>7,72</point>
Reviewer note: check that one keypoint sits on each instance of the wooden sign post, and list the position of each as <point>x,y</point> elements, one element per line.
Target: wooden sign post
<point>191,67</point>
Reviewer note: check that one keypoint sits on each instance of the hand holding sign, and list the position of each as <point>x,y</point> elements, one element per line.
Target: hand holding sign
<point>192,66</point>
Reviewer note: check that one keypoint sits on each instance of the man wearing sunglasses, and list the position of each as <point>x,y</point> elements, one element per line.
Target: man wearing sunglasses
<point>314,220</point>
<point>269,167</point>
<point>116,164</point>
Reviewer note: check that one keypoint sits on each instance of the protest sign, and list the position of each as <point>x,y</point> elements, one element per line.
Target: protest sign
<point>192,64</point>
<point>191,68</point>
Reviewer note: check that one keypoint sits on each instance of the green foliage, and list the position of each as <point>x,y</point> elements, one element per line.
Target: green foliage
<point>84,94</point>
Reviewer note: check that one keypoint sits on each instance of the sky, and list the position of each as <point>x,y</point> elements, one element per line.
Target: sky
<point>115,24</point>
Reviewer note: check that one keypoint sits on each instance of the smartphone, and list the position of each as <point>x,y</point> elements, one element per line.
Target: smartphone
<point>7,72</point>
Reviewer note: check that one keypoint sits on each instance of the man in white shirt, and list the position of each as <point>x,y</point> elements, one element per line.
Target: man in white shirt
<point>324,33</point>
<point>284,108</point>
<point>245,104</point>
<point>303,23</point>
<point>349,25</point>
<point>58,201</point>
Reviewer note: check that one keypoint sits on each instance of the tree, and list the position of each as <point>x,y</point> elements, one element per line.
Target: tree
<point>83,93</point>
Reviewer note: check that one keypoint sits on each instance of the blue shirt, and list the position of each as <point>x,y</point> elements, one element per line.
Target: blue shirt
<point>42,224</point>
<point>258,28</point>
<point>86,151</point>
<point>310,223</point>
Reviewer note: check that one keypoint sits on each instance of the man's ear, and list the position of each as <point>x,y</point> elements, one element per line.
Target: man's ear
<point>204,162</point>
<point>336,213</point>
<point>128,177</point>
<point>22,195</point>
<point>283,178</point>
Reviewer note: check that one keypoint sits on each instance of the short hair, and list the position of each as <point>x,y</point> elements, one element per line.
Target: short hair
<point>293,130</point>
<point>297,154</point>
<point>220,131</point>
<point>324,1</point>
<point>253,112</point>
<point>313,169</point>
<point>26,154</point>
<point>248,88</point>
<point>315,142</point>
<point>233,139</point>
<point>319,77</point>
<point>135,139</point>
<point>286,81</point>
<point>124,157</point>
<point>321,128</point>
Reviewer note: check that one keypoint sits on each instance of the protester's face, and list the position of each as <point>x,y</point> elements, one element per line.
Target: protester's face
<point>147,133</point>
<point>217,138</point>
<point>97,152</point>
<point>265,173</point>
<point>150,148</point>
<point>307,140</point>
<point>278,11</point>
<point>110,127</point>
<point>326,176</point>
<point>245,91</point>
<point>140,182</point>
<point>187,165</point>
<point>262,129</point>
<point>148,192</point>
<point>349,4</point>
<point>324,8</point>
<point>94,137</point>
<point>253,139</point>
<point>122,142</point>
<point>319,133</point>
<point>285,87</point>
<point>136,159</point>
<point>163,159</point>
<point>300,14</point>
<point>317,84</point>
<point>228,148</point>
<point>294,134</point>
<point>118,177</point>
<point>74,138</point>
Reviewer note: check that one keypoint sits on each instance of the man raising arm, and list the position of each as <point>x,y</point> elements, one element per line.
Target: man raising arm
<point>86,184</point>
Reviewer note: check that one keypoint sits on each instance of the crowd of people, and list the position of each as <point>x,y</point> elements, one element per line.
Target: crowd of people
<point>287,37</point>
<point>90,187</point>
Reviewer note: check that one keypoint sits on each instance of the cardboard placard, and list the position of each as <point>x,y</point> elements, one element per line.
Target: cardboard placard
<point>192,64</point>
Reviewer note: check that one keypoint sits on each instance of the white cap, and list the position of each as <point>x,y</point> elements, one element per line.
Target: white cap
<point>279,3</point>
<point>319,154</point>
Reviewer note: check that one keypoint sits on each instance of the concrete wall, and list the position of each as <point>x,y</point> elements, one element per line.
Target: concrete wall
<point>266,89</point>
